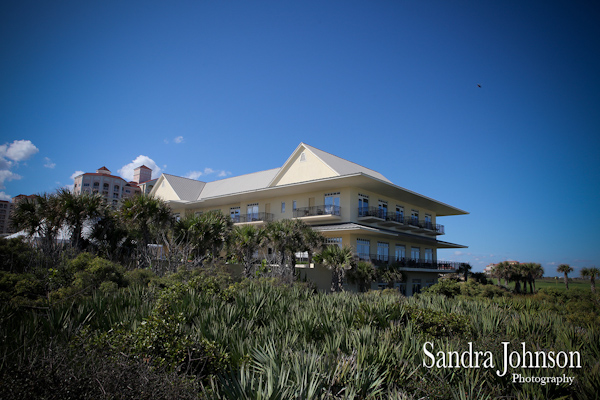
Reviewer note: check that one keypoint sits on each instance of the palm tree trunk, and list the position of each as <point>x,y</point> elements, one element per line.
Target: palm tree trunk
<point>566,281</point>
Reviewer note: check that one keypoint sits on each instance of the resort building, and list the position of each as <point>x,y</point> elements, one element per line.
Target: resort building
<point>350,204</point>
<point>114,188</point>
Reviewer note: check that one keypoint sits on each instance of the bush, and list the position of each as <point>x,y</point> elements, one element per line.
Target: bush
<point>445,287</point>
<point>438,323</point>
<point>140,276</point>
<point>16,256</point>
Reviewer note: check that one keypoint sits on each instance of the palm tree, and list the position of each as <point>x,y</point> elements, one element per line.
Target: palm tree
<point>245,241</point>
<point>77,209</point>
<point>311,240</point>
<point>111,237</point>
<point>286,239</point>
<point>390,273</point>
<point>533,271</point>
<point>148,218</point>
<point>465,269</point>
<point>338,260</point>
<point>362,273</point>
<point>566,269</point>
<point>498,271</point>
<point>591,273</point>
<point>39,216</point>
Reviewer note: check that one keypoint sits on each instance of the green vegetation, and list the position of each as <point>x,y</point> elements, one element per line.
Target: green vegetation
<point>111,315</point>
<point>198,334</point>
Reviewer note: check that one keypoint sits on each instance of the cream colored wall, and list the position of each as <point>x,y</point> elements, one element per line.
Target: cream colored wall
<point>164,191</point>
<point>301,171</point>
<point>302,200</point>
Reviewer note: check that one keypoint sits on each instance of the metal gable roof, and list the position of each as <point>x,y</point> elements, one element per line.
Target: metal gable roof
<point>238,184</point>
<point>342,166</point>
<point>187,189</point>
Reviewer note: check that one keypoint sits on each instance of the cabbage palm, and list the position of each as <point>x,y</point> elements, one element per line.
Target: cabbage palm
<point>146,215</point>
<point>39,216</point>
<point>565,269</point>
<point>244,243</point>
<point>338,260</point>
<point>591,273</point>
<point>465,269</point>
<point>362,273</point>
<point>77,209</point>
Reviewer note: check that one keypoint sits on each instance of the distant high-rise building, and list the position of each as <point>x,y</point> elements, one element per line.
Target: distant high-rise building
<point>112,187</point>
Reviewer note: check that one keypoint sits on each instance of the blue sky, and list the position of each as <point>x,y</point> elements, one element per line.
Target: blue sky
<point>210,89</point>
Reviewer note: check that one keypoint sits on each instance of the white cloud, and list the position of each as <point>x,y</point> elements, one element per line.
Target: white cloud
<point>49,163</point>
<point>18,150</point>
<point>207,171</point>
<point>4,196</point>
<point>126,171</point>
<point>6,175</point>
<point>76,174</point>
<point>178,139</point>
<point>194,174</point>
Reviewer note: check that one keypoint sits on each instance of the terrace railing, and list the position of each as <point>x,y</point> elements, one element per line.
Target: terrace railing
<point>317,210</point>
<point>253,217</point>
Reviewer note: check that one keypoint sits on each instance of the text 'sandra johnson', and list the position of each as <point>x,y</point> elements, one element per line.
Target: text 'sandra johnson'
<point>510,359</point>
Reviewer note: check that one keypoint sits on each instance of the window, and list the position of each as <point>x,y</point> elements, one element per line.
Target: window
<point>234,212</point>
<point>86,184</point>
<point>428,223</point>
<point>294,205</point>
<point>382,251</point>
<point>332,203</point>
<point>428,255</point>
<point>416,286</point>
<point>363,205</point>
<point>337,241</point>
<point>115,195</point>
<point>363,247</point>
<point>400,252</point>
<point>283,207</point>
<point>96,184</point>
<point>382,209</point>
<point>415,253</point>
<point>105,186</point>
<point>177,216</point>
<point>414,217</point>
<point>116,188</point>
<point>399,213</point>
<point>252,212</point>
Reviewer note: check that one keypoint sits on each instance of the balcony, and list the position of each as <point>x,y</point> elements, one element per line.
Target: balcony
<point>408,263</point>
<point>426,227</point>
<point>372,214</point>
<point>393,220</point>
<point>318,213</point>
<point>253,218</point>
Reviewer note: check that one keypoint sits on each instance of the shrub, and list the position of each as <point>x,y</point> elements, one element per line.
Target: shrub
<point>445,287</point>
<point>438,323</point>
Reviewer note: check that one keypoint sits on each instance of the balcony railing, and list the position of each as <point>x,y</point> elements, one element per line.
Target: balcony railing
<point>375,212</point>
<point>382,259</point>
<point>317,210</point>
<point>253,217</point>
<point>390,218</point>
